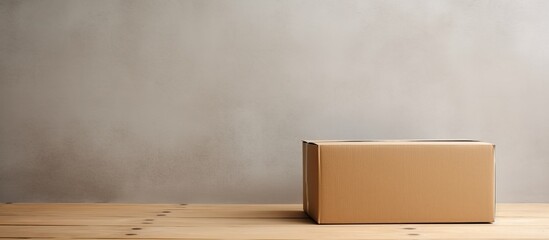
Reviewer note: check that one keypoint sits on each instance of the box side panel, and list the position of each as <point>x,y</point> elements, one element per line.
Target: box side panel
<point>407,183</point>
<point>304,151</point>
<point>311,178</point>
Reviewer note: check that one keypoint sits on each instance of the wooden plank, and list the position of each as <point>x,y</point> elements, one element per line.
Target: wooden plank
<point>196,221</point>
<point>200,211</point>
<point>310,231</point>
<point>272,221</point>
<point>156,221</point>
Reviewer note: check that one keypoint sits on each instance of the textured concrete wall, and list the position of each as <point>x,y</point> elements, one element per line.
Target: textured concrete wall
<point>206,101</point>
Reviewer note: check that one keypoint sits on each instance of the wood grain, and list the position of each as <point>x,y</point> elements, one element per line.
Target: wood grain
<point>240,221</point>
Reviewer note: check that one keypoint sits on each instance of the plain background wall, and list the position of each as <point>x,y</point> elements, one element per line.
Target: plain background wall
<point>207,101</point>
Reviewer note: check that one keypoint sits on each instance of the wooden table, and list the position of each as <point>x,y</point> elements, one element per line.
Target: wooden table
<point>282,221</point>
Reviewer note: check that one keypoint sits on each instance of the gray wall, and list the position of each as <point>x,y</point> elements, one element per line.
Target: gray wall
<point>206,101</point>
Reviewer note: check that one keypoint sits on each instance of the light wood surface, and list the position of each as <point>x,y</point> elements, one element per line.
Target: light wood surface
<point>235,221</point>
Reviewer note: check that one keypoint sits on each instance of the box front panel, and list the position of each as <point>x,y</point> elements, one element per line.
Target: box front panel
<point>389,183</point>
<point>311,181</point>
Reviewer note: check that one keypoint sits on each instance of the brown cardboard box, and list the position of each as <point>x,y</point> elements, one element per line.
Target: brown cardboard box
<point>413,181</point>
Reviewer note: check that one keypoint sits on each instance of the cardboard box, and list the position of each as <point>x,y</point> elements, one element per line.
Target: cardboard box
<point>412,181</point>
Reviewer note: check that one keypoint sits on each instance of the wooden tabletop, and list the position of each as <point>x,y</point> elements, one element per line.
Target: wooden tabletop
<point>239,221</point>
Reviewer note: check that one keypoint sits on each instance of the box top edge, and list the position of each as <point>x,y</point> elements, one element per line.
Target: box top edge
<point>393,141</point>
